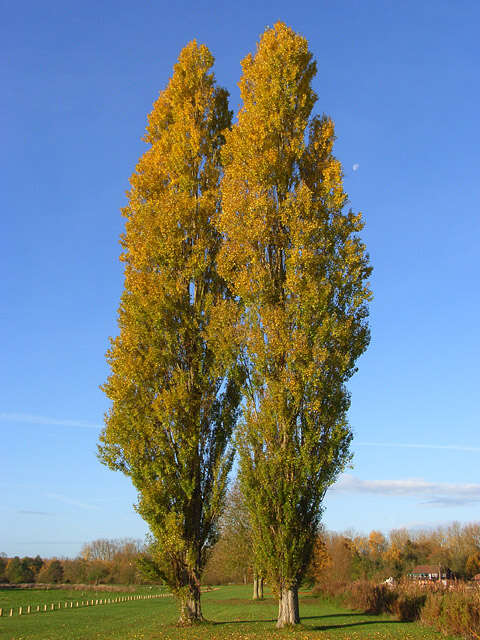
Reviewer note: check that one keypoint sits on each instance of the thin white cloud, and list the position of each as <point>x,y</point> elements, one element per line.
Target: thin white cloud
<point>27,418</point>
<point>75,503</point>
<point>35,543</point>
<point>447,501</point>
<point>356,167</point>
<point>405,445</point>
<point>444,494</point>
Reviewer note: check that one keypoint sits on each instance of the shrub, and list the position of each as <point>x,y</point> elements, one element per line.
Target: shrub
<point>17,571</point>
<point>51,572</point>
<point>407,607</point>
<point>364,595</point>
<point>369,597</point>
<point>330,589</point>
<point>454,612</point>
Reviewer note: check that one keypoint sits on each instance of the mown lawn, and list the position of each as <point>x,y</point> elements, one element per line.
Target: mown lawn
<point>33,597</point>
<point>233,616</point>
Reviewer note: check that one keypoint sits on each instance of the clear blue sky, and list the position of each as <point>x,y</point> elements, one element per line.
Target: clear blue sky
<point>400,79</point>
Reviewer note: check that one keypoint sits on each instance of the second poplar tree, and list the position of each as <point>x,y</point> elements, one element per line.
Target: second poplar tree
<point>293,258</point>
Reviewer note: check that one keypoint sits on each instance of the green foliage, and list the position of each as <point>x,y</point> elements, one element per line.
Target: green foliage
<point>231,560</point>
<point>150,570</point>
<point>36,564</point>
<point>51,572</point>
<point>18,571</point>
<point>3,566</point>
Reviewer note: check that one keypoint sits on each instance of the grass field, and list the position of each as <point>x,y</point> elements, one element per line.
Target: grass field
<point>23,597</point>
<point>233,616</point>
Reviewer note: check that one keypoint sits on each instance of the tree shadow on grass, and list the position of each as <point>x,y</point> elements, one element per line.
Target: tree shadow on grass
<point>223,622</point>
<point>319,627</point>
<point>334,615</point>
<point>329,627</point>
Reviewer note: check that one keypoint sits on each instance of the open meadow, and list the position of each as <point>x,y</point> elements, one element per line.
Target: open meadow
<point>233,616</point>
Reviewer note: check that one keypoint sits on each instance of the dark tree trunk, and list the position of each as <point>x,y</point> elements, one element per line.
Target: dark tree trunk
<point>288,613</point>
<point>190,607</point>
<point>257,587</point>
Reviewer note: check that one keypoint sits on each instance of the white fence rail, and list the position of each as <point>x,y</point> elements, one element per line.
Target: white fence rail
<point>74,604</point>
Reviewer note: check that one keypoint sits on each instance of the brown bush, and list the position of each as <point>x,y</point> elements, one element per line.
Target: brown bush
<point>331,589</point>
<point>407,607</point>
<point>363,595</point>
<point>369,597</point>
<point>453,609</point>
<point>454,612</point>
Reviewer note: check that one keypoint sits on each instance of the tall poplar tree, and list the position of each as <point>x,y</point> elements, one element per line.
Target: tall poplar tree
<point>293,259</point>
<point>172,384</point>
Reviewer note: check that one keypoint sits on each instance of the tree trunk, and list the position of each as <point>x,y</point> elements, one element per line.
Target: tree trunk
<point>288,613</point>
<point>190,607</point>
<point>257,587</point>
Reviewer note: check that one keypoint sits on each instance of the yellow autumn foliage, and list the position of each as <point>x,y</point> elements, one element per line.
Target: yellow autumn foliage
<point>293,258</point>
<point>172,388</point>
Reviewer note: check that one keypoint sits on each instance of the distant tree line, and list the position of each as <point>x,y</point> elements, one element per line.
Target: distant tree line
<point>337,557</point>
<point>101,561</point>
<point>348,556</point>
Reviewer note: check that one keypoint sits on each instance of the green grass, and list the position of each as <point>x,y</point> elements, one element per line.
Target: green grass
<point>23,597</point>
<point>233,616</point>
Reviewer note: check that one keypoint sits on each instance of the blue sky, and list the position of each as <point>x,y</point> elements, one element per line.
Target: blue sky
<point>400,79</point>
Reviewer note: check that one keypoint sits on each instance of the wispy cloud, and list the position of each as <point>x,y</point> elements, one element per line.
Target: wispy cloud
<point>75,503</point>
<point>405,445</point>
<point>28,418</point>
<point>24,512</point>
<point>55,542</point>
<point>440,494</point>
<point>446,501</point>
